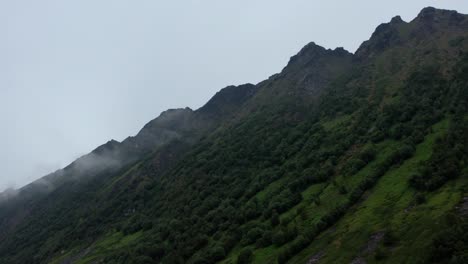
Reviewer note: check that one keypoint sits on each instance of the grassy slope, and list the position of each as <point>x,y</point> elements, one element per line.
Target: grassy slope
<point>391,200</point>
<point>388,207</point>
<point>413,225</point>
<point>328,194</point>
<point>99,249</point>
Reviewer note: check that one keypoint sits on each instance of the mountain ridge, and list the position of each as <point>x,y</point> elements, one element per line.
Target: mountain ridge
<point>427,14</point>
<point>281,171</point>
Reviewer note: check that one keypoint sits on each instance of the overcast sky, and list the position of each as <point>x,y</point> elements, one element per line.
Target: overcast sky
<point>75,74</point>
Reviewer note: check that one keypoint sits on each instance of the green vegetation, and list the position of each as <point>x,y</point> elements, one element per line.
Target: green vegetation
<point>368,163</point>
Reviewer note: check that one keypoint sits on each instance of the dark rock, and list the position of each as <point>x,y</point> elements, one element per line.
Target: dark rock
<point>316,258</point>
<point>359,260</point>
<point>227,99</point>
<point>396,20</point>
<point>373,242</point>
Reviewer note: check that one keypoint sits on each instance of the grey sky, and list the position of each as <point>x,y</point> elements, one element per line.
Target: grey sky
<point>74,74</point>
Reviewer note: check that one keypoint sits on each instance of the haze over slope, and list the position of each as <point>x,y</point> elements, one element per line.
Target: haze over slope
<point>339,158</point>
<point>68,84</point>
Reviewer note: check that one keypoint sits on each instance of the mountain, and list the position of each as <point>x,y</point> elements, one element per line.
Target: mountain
<point>339,158</point>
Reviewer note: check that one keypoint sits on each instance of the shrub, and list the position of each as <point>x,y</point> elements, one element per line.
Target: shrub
<point>279,238</point>
<point>274,218</point>
<point>245,256</point>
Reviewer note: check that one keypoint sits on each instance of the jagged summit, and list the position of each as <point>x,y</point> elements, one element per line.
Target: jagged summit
<point>227,99</point>
<point>432,13</point>
<point>431,17</point>
<point>311,52</point>
<point>367,149</point>
<point>396,20</point>
<point>341,50</point>
<point>108,146</point>
<point>168,118</point>
<point>397,32</point>
<point>385,35</point>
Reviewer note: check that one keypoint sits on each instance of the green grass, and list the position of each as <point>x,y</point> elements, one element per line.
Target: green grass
<point>265,255</point>
<point>107,244</point>
<point>308,194</point>
<point>271,188</point>
<point>390,207</point>
<point>336,122</point>
<point>329,196</point>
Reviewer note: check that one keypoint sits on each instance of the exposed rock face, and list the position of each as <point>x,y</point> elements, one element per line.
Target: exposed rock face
<point>225,102</point>
<point>314,66</point>
<point>315,258</point>
<point>171,124</point>
<point>385,35</point>
<point>431,15</point>
<point>373,243</point>
<point>398,32</point>
<point>431,20</point>
<point>463,208</point>
<point>359,261</point>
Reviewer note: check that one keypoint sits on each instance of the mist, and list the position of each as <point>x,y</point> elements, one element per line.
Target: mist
<point>75,74</point>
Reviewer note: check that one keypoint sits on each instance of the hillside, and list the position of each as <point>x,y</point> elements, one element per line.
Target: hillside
<point>339,158</point>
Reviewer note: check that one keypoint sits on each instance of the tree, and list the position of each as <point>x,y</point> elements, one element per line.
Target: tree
<point>274,218</point>
<point>245,256</point>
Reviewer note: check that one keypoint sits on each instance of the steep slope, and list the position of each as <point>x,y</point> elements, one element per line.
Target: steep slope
<point>164,139</point>
<point>341,157</point>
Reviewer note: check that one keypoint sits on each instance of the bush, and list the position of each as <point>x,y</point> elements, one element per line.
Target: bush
<point>380,254</point>
<point>354,165</point>
<point>142,260</point>
<point>252,236</point>
<point>265,240</point>
<point>368,153</point>
<point>229,242</point>
<point>274,218</point>
<point>245,256</point>
<point>342,189</point>
<point>389,239</point>
<point>419,198</point>
<point>297,245</point>
<point>449,246</point>
<point>279,238</point>
<point>216,253</point>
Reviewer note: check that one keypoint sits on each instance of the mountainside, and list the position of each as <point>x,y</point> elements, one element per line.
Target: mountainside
<point>339,158</point>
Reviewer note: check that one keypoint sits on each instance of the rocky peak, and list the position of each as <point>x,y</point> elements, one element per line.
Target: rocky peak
<point>167,125</point>
<point>313,52</point>
<point>228,99</point>
<point>385,35</point>
<point>425,26</point>
<point>171,115</point>
<point>396,20</point>
<point>310,50</point>
<point>111,145</point>
<point>305,76</point>
<point>341,51</point>
<point>431,14</point>
<point>427,13</point>
<point>431,17</point>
